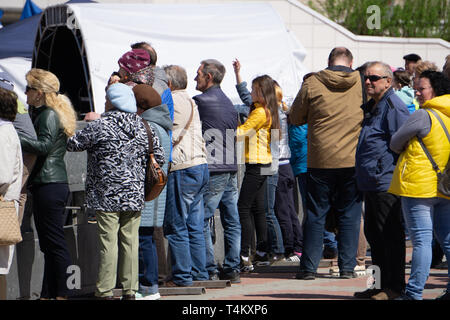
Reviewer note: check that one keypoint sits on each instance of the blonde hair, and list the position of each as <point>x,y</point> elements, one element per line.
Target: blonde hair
<point>422,66</point>
<point>279,95</point>
<point>48,84</point>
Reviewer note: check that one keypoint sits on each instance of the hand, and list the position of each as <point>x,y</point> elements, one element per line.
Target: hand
<point>236,66</point>
<point>237,70</point>
<point>113,79</point>
<point>91,116</point>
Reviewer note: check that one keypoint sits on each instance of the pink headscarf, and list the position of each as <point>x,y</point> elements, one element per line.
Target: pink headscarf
<point>134,60</point>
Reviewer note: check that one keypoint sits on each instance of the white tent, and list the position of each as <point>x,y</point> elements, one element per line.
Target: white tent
<point>182,34</point>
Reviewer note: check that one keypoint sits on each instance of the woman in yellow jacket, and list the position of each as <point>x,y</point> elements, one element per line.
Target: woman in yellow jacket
<point>414,179</point>
<point>256,133</point>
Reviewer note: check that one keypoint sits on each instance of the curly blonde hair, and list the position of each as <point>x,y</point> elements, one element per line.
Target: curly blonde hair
<point>48,84</point>
<point>422,66</point>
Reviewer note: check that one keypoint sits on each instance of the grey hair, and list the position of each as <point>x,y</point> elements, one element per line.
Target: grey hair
<point>177,76</point>
<point>215,68</point>
<point>387,71</point>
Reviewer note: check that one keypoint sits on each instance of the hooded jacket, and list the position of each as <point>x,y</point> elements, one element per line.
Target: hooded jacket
<point>414,175</point>
<point>329,102</point>
<point>159,118</point>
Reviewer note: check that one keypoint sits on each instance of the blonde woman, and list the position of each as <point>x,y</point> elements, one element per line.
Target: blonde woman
<point>54,121</point>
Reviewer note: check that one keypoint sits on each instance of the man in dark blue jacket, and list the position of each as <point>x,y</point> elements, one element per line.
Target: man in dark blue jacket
<point>219,122</point>
<point>384,113</point>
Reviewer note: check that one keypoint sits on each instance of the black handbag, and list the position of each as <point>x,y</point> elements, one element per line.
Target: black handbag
<point>155,178</point>
<point>443,177</point>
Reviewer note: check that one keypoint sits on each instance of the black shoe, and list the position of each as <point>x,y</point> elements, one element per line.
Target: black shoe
<point>444,296</point>
<point>366,294</point>
<point>404,296</point>
<point>128,297</point>
<point>330,253</point>
<point>261,260</point>
<point>214,276</point>
<point>347,275</point>
<point>305,275</point>
<point>233,276</point>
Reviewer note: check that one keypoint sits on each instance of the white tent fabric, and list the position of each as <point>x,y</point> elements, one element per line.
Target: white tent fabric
<point>185,34</point>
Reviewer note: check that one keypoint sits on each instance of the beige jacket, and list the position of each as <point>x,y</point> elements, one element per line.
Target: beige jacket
<point>11,167</point>
<point>191,150</point>
<point>330,103</point>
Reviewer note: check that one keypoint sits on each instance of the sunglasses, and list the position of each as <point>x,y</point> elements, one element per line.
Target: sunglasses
<point>27,88</point>
<point>374,78</point>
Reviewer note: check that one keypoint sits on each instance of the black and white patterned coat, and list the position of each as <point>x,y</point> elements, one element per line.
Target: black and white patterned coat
<point>117,147</point>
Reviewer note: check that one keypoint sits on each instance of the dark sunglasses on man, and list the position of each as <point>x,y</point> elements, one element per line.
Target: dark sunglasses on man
<point>374,78</point>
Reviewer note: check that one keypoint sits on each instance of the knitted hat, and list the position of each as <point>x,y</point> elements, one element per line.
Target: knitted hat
<point>6,82</point>
<point>134,60</point>
<point>121,97</point>
<point>146,96</point>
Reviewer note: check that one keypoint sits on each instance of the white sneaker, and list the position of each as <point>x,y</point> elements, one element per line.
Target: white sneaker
<point>293,258</point>
<point>151,296</point>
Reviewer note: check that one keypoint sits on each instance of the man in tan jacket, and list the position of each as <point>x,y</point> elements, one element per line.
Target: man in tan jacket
<point>329,102</point>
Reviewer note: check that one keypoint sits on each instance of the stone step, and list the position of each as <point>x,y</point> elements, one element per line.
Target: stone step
<point>173,291</point>
<point>212,284</point>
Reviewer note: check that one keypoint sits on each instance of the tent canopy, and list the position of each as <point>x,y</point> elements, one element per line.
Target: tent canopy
<point>81,44</point>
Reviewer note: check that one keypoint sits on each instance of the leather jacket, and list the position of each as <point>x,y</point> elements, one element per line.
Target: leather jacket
<point>50,148</point>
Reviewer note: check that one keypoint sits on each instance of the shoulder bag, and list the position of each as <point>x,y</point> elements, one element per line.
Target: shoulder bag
<point>9,223</point>
<point>155,178</point>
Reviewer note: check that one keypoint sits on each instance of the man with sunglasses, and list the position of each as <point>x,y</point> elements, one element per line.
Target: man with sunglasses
<point>384,113</point>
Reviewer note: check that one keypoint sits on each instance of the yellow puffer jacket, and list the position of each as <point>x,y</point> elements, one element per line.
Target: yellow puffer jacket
<point>256,133</point>
<point>414,175</point>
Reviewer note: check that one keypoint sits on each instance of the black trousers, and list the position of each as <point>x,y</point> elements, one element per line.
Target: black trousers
<point>383,228</point>
<point>285,211</point>
<point>49,201</point>
<point>252,214</point>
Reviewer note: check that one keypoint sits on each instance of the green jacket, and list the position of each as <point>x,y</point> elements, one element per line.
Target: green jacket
<point>50,148</point>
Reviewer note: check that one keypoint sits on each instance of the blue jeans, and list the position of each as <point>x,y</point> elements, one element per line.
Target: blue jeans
<point>183,223</point>
<point>327,187</point>
<point>223,193</point>
<point>422,215</point>
<point>329,238</point>
<point>148,261</point>
<point>274,235</point>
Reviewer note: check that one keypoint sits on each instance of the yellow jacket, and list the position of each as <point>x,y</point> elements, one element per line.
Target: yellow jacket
<point>256,134</point>
<point>414,175</point>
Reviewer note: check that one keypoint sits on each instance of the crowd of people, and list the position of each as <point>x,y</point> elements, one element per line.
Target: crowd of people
<point>358,144</point>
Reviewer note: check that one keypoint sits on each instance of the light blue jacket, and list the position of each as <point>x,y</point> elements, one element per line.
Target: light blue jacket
<point>159,118</point>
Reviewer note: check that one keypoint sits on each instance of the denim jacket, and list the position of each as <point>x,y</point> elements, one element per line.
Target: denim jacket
<point>375,161</point>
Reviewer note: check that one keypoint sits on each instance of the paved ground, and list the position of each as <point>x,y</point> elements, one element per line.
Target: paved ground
<point>284,286</point>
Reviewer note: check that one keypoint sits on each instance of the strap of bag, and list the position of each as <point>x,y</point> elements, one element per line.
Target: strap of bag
<point>433,163</point>
<point>442,123</point>
<point>149,135</point>
<point>180,137</point>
